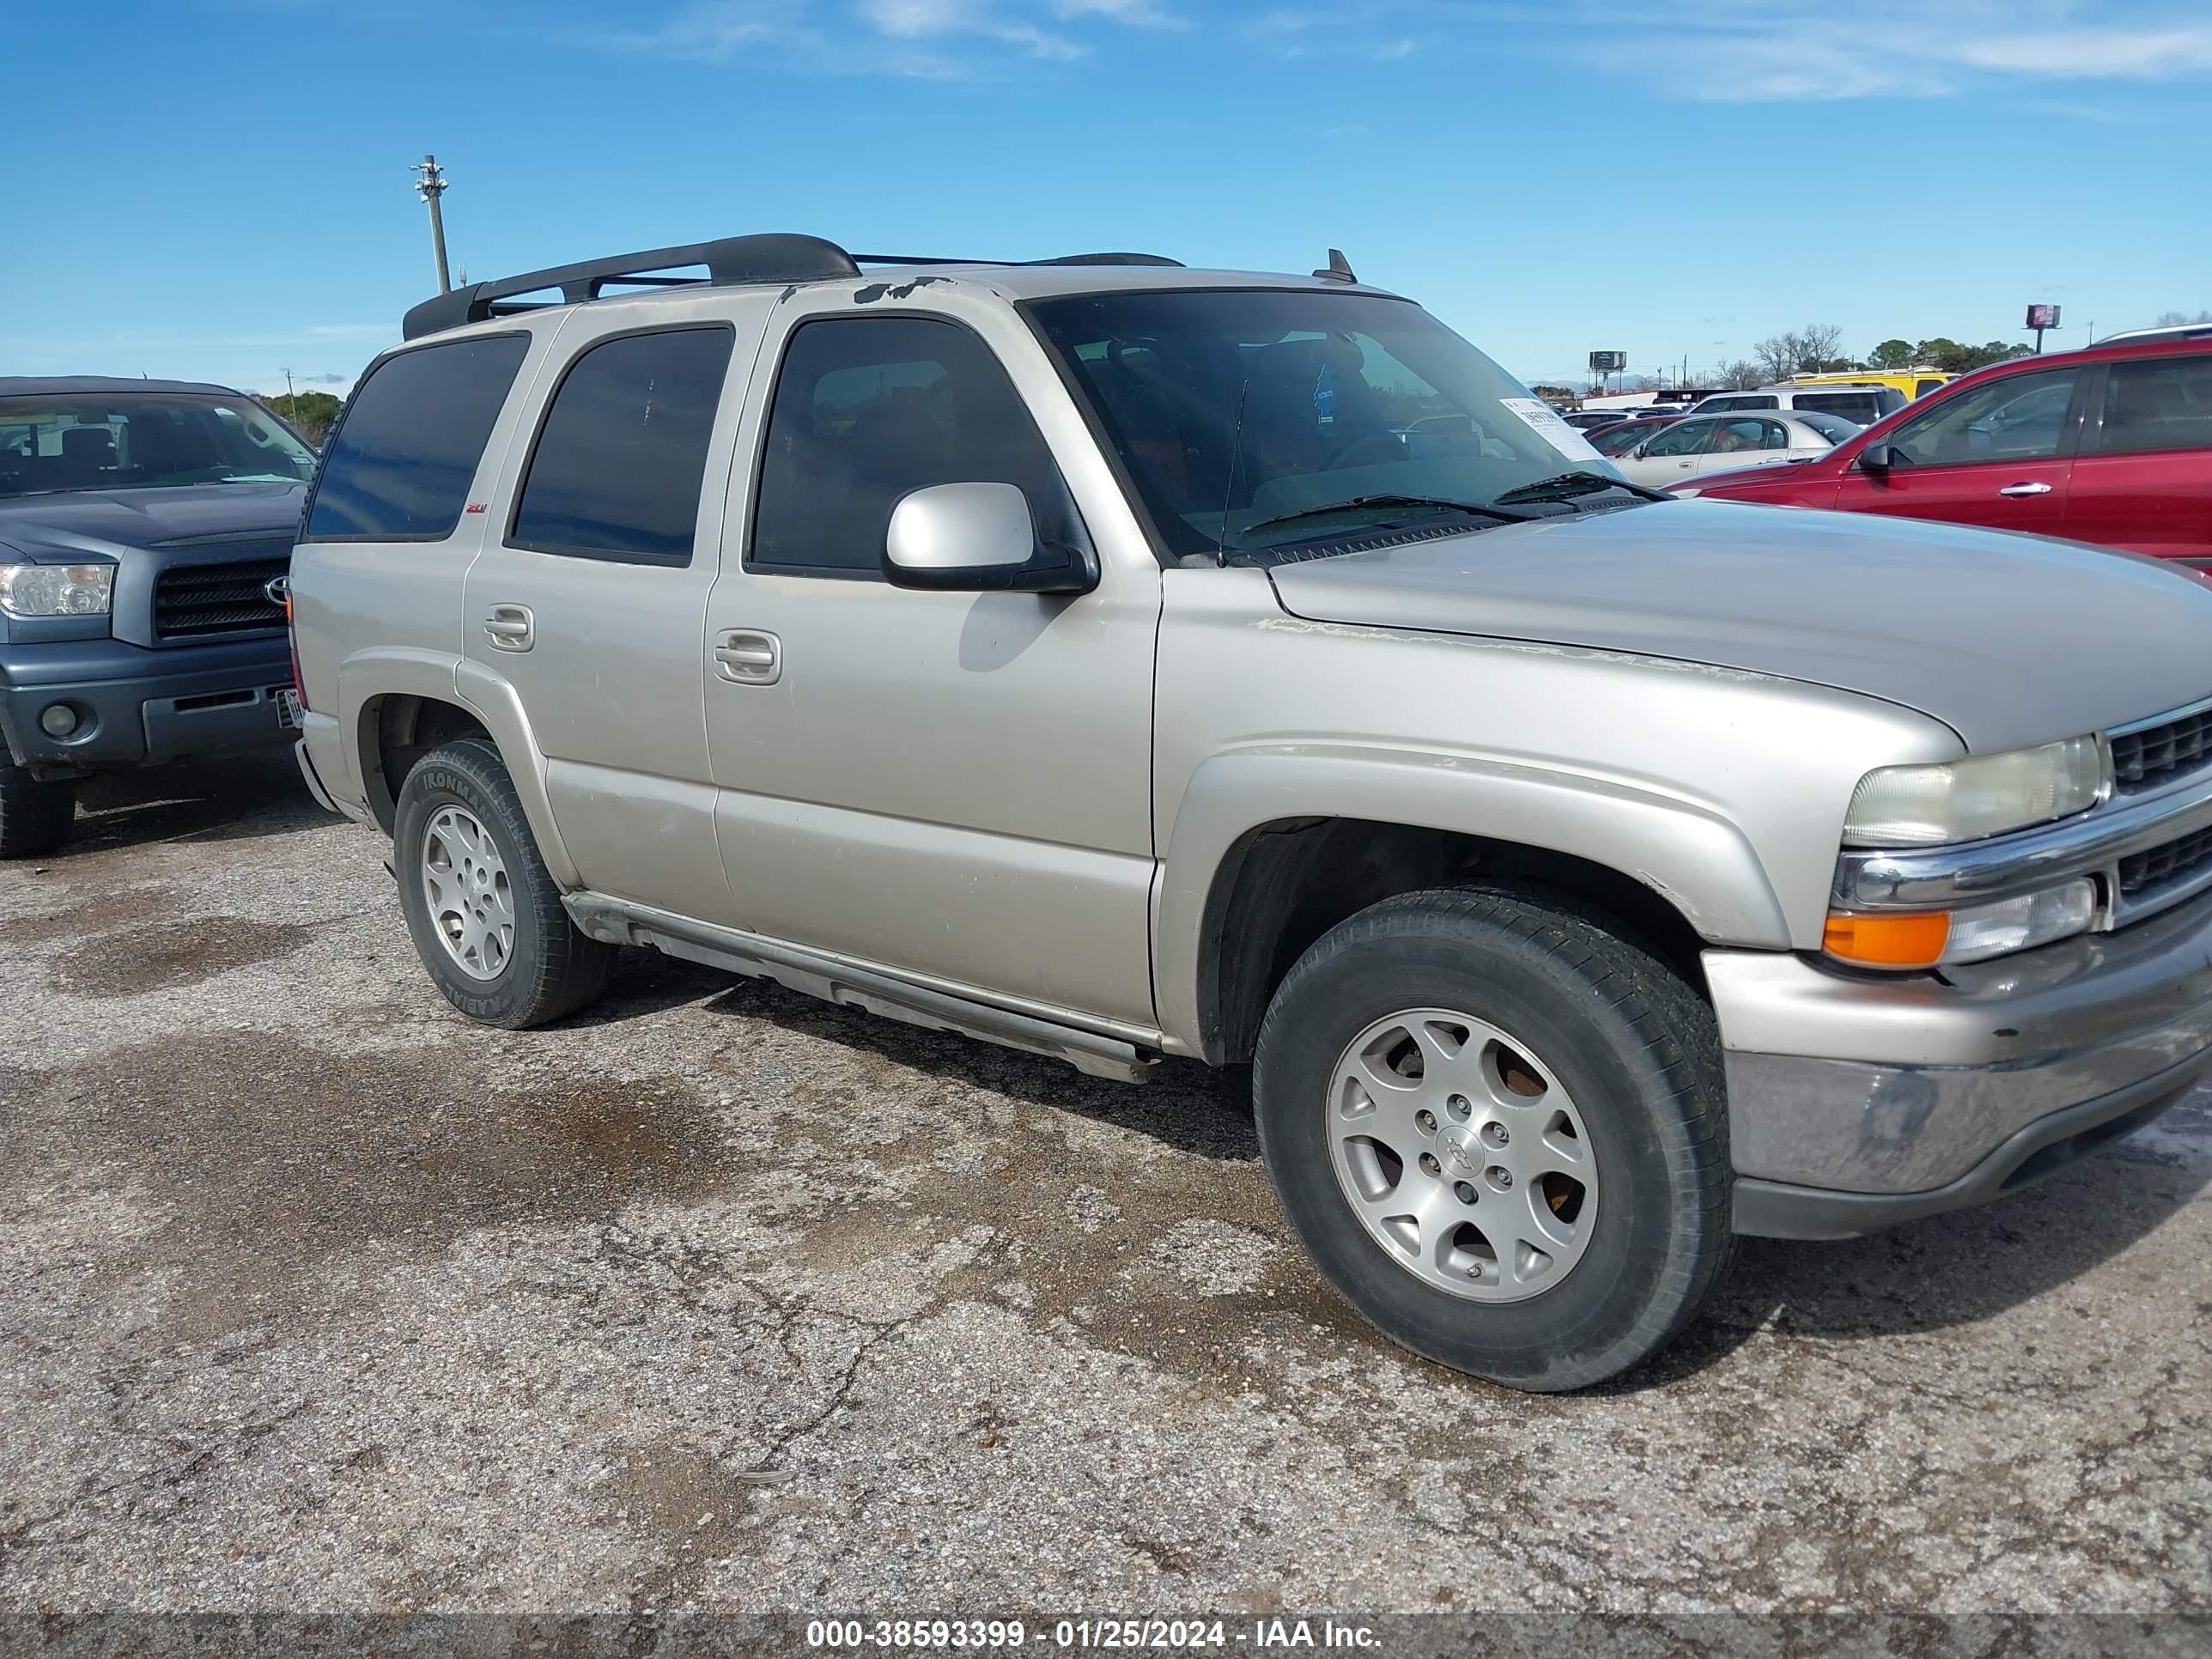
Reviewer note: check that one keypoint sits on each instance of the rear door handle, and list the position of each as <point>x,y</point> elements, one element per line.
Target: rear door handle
<point>746,656</point>
<point>510,627</point>
<point>2025,489</point>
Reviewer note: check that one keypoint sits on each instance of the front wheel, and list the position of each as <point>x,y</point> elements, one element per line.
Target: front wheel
<point>484,911</point>
<point>1499,1127</point>
<point>35,815</point>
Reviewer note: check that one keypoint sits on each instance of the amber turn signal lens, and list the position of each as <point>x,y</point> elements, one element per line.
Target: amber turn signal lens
<point>1912,938</point>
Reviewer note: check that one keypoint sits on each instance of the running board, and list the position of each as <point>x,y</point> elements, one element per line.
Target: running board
<point>838,979</point>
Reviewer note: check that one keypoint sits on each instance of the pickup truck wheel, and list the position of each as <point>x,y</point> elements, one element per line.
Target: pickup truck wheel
<point>485,914</point>
<point>35,815</point>
<point>1500,1130</point>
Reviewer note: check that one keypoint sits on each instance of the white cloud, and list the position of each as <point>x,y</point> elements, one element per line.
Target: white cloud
<point>1793,51</point>
<point>1391,51</point>
<point>931,39</point>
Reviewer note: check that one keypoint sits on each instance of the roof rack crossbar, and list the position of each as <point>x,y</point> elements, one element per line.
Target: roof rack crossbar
<point>775,257</point>
<point>730,262</point>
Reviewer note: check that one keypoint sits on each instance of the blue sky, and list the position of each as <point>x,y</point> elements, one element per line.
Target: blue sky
<point>218,189</point>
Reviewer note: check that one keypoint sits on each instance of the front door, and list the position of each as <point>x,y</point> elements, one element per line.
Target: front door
<point>1670,456</point>
<point>954,785</point>
<point>1997,455</point>
<point>591,597</point>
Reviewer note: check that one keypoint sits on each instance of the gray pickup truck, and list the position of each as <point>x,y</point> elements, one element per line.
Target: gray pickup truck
<point>142,526</point>
<point>1122,662</point>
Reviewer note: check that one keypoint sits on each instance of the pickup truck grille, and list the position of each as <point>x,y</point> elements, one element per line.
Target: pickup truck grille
<point>192,601</point>
<point>2183,860</point>
<point>2154,755</point>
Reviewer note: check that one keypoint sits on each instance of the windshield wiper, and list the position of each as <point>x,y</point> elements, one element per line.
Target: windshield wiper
<point>1489,511</point>
<point>1566,486</point>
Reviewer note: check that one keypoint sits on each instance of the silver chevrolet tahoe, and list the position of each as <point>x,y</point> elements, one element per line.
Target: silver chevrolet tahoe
<point>1123,662</point>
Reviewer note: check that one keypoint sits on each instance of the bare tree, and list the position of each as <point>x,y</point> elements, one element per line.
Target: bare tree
<point>2181,318</point>
<point>1805,350</point>
<point>1742,375</point>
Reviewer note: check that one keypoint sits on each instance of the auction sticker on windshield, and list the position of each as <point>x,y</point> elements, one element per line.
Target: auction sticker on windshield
<point>1544,421</point>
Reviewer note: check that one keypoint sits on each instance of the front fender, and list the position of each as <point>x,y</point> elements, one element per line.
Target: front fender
<point>1692,857</point>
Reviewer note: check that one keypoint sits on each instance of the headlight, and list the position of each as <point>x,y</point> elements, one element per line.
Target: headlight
<point>56,590</point>
<point>1981,795</point>
<point>1930,938</point>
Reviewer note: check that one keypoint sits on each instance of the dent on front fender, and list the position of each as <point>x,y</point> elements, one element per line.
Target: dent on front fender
<point>1699,862</point>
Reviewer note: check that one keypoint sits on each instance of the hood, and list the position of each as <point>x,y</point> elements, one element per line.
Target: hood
<point>108,524</point>
<point>2009,639</point>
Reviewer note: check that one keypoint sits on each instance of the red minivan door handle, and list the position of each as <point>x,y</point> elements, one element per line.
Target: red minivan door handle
<point>2025,489</point>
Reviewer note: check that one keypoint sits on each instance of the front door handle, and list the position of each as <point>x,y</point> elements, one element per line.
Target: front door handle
<point>2025,489</point>
<point>510,627</point>
<point>746,656</point>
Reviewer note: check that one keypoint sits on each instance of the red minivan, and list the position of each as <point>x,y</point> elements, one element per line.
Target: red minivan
<point>2110,444</point>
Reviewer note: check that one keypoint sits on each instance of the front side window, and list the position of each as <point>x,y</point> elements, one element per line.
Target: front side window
<point>143,440</point>
<point>1619,440</point>
<point>1684,438</point>
<point>618,465</point>
<point>868,409</point>
<point>2157,404</point>
<point>1249,419</point>
<point>399,465</point>
<point>2016,417</point>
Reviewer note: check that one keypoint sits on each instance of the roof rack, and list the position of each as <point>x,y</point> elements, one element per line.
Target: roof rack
<point>731,262</point>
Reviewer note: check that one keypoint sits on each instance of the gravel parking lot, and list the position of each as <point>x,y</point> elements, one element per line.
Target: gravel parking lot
<point>313,1295</point>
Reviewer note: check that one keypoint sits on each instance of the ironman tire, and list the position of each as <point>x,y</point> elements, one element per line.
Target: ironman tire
<point>543,966</point>
<point>1633,1047</point>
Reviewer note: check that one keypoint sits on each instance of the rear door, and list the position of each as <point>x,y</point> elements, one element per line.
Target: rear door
<point>1670,456</point>
<point>1997,454</point>
<point>2142,479</point>
<point>590,596</point>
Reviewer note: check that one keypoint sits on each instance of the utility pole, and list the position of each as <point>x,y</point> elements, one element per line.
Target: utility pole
<point>288,386</point>
<point>430,186</point>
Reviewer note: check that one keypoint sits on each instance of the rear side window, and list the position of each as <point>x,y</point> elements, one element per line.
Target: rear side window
<point>619,462</point>
<point>1921,388</point>
<point>869,409</point>
<point>1863,408</point>
<point>402,460</point>
<point>2155,404</point>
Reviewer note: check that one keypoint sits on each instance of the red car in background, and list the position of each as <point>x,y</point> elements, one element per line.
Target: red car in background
<point>2110,444</point>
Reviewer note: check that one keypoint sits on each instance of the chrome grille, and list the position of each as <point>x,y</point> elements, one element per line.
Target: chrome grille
<point>2151,757</point>
<point>192,601</point>
<point>2177,860</point>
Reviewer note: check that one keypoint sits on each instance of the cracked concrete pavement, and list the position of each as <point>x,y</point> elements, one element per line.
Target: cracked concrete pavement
<point>312,1296</point>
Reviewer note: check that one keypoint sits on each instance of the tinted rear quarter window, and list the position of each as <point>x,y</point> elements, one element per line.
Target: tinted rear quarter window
<point>406,450</point>
<point>2157,404</point>
<point>617,468</point>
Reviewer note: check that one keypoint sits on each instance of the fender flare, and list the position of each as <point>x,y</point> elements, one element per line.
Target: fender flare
<point>1686,852</point>
<point>366,677</point>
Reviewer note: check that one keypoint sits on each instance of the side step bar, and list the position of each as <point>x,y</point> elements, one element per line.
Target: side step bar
<point>836,979</point>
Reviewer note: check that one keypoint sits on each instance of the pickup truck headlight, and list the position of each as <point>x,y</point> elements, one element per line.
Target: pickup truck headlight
<point>56,590</point>
<point>1931,938</point>
<point>1981,795</point>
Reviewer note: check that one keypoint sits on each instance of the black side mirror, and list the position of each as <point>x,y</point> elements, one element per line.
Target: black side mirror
<point>1874,458</point>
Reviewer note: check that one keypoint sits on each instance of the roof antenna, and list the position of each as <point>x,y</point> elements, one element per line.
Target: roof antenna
<point>1339,269</point>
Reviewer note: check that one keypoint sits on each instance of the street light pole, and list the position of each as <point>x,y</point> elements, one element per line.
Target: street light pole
<point>430,186</point>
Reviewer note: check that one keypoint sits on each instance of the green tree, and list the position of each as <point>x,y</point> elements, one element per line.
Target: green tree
<point>1893,355</point>
<point>309,413</point>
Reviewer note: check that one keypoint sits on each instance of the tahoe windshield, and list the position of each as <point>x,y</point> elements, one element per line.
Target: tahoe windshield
<point>1251,419</point>
<point>104,440</point>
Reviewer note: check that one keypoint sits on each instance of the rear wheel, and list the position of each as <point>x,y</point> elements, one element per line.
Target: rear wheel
<point>486,916</point>
<point>35,815</point>
<point>1500,1129</point>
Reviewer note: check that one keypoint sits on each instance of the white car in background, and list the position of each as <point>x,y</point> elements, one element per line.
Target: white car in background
<point>1721,443</point>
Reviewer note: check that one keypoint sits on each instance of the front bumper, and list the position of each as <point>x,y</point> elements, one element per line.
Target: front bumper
<point>1857,1100</point>
<point>139,707</point>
